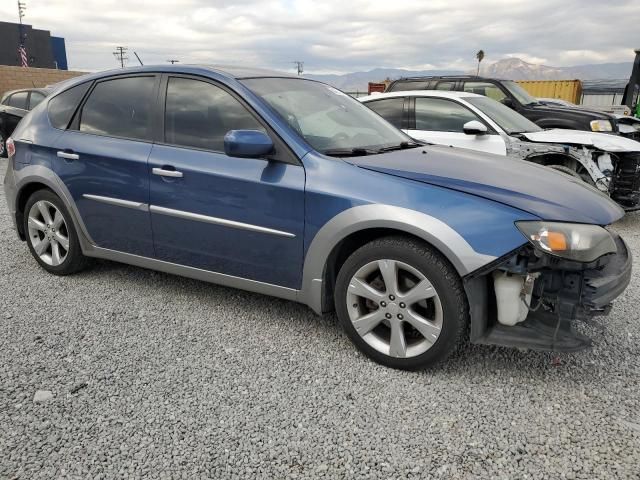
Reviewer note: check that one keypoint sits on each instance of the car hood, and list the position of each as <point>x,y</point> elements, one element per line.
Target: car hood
<point>578,109</point>
<point>529,187</point>
<point>602,141</point>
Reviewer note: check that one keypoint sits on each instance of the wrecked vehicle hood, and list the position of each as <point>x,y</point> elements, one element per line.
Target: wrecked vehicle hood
<point>583,111</point>
<point>602,141</point>
<point>529,187</point>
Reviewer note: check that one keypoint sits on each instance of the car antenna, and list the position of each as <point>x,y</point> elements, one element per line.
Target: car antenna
<point>136,54</point>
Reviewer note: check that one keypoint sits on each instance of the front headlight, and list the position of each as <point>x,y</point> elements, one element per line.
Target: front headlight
<point>573,241</point>
<point>601,126</point>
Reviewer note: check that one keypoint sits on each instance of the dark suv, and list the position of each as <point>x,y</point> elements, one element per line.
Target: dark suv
<point>514,96</point>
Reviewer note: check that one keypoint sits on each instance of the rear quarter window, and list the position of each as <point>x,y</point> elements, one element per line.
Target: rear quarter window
<point>62,106</point>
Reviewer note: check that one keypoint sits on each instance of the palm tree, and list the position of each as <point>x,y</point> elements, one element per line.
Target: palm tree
<point>480,57</point>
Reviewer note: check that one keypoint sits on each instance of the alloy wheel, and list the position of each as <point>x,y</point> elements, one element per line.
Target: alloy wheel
<point>394,308</point>
<point>48,233</point>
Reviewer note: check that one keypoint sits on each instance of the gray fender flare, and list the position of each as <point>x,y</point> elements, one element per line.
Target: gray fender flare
<point>42,174</point>
<point>434,231</point>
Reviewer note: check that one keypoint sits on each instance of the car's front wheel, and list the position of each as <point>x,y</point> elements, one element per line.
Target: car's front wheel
<point>401,303</point>
<point>51,235</point>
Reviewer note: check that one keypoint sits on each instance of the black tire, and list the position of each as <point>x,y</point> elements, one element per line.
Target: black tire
<point>566,171</point>
<point>3,145</point>
<point>571,172</point>
<point>75,261</point>
<point>430,263</point>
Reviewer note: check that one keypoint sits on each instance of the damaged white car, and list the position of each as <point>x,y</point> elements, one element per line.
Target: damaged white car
<point>609,162</point>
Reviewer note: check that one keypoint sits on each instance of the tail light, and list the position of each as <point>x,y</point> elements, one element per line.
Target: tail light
<point>11,147</point>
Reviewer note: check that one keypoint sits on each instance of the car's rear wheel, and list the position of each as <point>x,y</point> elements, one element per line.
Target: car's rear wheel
<point>3,145</point>
<point>401,303</point>
<point>51,235</point>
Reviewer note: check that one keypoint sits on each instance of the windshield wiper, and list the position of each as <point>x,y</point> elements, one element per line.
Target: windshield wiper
<point>349,152</point>
<point>400,146</point>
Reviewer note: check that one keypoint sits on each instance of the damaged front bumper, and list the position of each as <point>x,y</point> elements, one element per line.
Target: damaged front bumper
<point>564,292</point>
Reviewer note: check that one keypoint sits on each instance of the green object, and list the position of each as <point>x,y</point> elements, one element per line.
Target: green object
<point>637,113</point>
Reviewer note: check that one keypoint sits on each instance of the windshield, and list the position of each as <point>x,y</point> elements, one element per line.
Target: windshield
<point>509,120</point>
<point>329,120</point>
<point>520,93</point>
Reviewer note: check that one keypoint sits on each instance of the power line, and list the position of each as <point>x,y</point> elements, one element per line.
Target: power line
<point>136,54</point>
<point>299,65</point>
<point>121,55</point>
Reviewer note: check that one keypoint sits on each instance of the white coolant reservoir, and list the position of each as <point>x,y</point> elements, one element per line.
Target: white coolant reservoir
<point>509,288</point>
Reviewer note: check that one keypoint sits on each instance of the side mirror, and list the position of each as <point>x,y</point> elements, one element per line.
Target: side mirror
<point>507,102</point>
<point>247,144</point>
<point>474,127</point>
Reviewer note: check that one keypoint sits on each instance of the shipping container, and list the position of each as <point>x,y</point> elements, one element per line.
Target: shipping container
<point>569,90</point>
<point>377,87</point>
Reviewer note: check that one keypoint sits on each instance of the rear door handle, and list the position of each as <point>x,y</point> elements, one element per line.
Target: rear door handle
<point>69,156</point>
<point>166,173</point>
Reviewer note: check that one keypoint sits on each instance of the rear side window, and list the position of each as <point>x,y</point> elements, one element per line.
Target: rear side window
<point>439,115</point>
<point>61,107</point>
<point>18,100</point>
<point>391,109</point>
<point>199,114</point>
<point>446,86</point>
<point>36,98</point>
<point>403,86</point>
<point>120,108</point>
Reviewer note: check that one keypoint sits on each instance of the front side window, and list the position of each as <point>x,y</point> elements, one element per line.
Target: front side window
<point>441,115</point>
<point>199,114</point>
<point>328,119</point>
<point>485,89</point>
<point>62,106</point>
<point>121,107</point>
<point>391,109</point>
<point>36,98</point>
<point>18,100</point>
<point>509,120</point>
<point>520,93</point>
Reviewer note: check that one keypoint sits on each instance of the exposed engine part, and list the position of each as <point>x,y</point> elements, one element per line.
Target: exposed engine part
<point>530,151</point>
<point>625,184</point>
<point>605,165</point>
<point>511,298</point>
<point>553,292</point>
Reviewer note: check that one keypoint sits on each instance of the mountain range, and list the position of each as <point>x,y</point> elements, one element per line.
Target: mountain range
<point>509,68</point>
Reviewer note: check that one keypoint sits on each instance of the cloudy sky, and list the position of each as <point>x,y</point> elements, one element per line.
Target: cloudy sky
<point>333,36</point>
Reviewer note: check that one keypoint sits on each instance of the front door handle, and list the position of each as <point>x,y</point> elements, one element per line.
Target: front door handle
<point>68,155</point>
<point>166,173</point>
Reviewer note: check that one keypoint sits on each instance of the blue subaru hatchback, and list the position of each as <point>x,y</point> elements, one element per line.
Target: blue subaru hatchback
<point>290,188</point>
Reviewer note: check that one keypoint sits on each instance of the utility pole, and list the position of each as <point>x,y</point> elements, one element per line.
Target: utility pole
<point>172,61</point>
<point>22,51</point>
<point>299,65</point>
<point>121,55</point>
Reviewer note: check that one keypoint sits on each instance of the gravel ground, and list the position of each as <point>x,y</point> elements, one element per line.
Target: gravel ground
<point>163,377</point>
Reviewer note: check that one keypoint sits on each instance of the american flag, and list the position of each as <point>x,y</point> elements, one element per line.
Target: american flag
<point>23,56</point>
